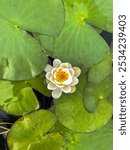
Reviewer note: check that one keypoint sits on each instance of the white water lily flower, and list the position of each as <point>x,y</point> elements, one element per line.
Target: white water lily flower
<point>61,77</point>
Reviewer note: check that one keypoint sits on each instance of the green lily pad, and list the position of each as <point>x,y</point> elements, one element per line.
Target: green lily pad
<point>31,132</point>
<point>101,139</point>
<point>100,14</point>
<point>39,84</point>
<point>17,98</point>
<point>38,16</point>
<point>78,42</point>
<point>22,58</point>
<point>47,42</point>
<point>98,72</point>
<point>94,93</point>
<point>72,113</point>
<point>60,128</point>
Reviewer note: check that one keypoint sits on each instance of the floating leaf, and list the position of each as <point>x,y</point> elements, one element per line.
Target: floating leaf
<point>39,84</point>
<point>31,132</point>
<point>94,93</point>
<point>22,58</point>
<point>100,14</point>
<point>78,43</point>
<point>38,16</point>
<point>17,98</point>
<point>98,72</point>
<point>72,113</point>
<point>102,139</point>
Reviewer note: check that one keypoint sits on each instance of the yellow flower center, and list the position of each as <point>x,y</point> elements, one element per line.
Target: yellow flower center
<point>61,76</point>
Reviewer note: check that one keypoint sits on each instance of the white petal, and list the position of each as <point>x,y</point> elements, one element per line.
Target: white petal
<point>48,68</point>
<point>73,89</point>
<point>60,85</point>
<point>53,70</point>
<point>66,65</point>
<point>52,79</point>
<point>77,71</point>
<point>66,89</point>
<point>71,71</point>
<point>56,93</point>
<point>48,75</point>
<point>75,81</point>
<point>56,63</point>
<point>51,86</point>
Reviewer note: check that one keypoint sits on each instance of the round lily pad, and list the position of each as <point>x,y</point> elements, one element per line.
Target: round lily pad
<point>32,132</point>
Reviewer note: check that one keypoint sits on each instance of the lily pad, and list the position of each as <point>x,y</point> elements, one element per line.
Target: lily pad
<point>31,132</point>
<point>39,84</point>
<point>17,98</point>
<point>100,14</point>
<point>72,113</point>
<point>98,72</point>
<point>78,42</point>
<point>22,58</point>
<point>101,139</point>
<point>38,16</point>
<point>94,93</point>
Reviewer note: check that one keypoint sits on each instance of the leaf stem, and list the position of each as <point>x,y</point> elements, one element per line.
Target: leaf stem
<point>4,132</point>
<point>5,123</point>
<point>4,128</point>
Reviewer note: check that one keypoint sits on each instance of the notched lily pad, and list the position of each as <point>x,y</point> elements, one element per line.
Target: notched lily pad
<point>102,139</point>
<point>100,14</point>
<point>39,84</point>
<point>21,57</point>
<point>78,42</point>
<point>94,93</point>
<point>72,113</point>
<point>31,132</point>
<point>98,72</point>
